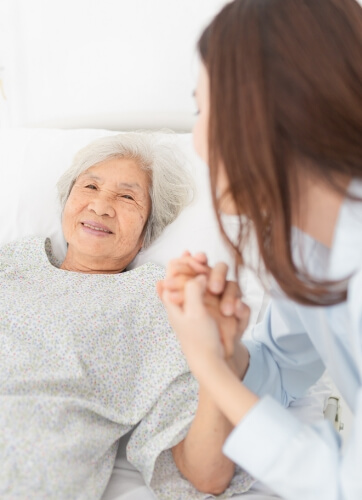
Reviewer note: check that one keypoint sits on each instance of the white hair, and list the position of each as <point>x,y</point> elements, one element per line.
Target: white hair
<point>171,186</point>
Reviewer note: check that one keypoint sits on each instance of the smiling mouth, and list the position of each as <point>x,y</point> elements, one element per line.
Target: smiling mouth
<point>97,228</point>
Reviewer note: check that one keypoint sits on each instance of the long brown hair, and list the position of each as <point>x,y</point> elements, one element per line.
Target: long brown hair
<point>285,82</point>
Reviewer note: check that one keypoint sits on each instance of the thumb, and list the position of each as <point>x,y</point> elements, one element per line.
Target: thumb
<point>172,309</point>
<point>159,288</point>
<point>201,257</point>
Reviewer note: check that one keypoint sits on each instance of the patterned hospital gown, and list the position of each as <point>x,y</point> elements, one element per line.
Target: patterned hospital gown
<point>84,358</point>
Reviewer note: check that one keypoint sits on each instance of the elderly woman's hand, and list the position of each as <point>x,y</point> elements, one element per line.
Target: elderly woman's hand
<point>223,302</point>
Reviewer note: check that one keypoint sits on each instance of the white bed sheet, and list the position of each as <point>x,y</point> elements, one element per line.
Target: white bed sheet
<point>126,483</point>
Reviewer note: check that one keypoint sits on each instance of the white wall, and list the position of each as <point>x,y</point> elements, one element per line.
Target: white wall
<point>98,62</point>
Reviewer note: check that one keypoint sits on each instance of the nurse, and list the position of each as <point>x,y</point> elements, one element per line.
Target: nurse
<point>280,125</point>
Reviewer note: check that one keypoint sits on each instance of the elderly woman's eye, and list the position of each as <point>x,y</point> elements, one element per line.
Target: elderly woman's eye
<point>91,186</point>
<point>127,196</point>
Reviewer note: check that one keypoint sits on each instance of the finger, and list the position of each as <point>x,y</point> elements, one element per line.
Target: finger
<point>181,270</point>
<point>185,265</point>
<point>179,266</point>
<point>229,298</point>
<point>229,332</point>
<point>241,308</point>
<point>201,257</point>
<point>159,288</point>
<point>177,297</point>
<point>174,311</point>
<point>193,296</point>
<point>243,315</point>
<point>228,344</point>
<point>198,266</point>
<point>217,278</point>
<point>177,282</point>
<point>212,305</point>
<point>212,301</point>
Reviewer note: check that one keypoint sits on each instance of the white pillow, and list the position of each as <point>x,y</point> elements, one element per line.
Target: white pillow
<point>32,160</point>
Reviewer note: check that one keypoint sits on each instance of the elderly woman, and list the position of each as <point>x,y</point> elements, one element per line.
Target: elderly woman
<point>86,349</point>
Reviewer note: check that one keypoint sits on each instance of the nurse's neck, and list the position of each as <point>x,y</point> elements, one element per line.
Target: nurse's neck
<point>319,206</point>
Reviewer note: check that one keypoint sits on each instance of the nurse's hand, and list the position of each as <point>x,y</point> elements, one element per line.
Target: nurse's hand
<point>181,269</point>
<point>231,326</point>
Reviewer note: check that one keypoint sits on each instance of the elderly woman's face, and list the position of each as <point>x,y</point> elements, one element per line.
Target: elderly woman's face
<point>105,216</point>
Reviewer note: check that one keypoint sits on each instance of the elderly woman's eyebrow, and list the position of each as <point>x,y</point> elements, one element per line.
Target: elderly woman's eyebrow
<point>122,185</point>
<point>130,185</point>
<point>89,176</point>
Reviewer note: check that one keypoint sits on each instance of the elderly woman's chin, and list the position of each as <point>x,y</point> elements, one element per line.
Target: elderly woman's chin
<point>98,252</point>
<point>94,242</point>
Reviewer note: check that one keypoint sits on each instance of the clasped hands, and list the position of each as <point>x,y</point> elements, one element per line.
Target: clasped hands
<point>206,312</point>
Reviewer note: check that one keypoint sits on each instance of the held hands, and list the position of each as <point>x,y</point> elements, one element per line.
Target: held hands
<point>196,329</point>
<point>205,311</point>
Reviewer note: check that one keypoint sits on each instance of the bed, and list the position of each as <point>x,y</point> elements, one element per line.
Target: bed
<point>59,92</point>
<point>32,159</point>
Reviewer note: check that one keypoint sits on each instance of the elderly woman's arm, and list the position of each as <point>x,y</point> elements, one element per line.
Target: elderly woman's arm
<point>199,456</point>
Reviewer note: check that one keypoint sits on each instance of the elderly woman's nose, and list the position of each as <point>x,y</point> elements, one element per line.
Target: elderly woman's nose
<point>102,205</point>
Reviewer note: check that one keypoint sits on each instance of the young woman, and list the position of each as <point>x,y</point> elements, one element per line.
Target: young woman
<point>280,125</point>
